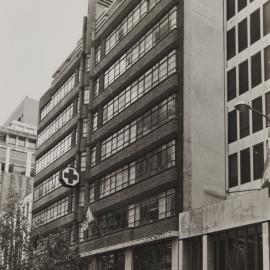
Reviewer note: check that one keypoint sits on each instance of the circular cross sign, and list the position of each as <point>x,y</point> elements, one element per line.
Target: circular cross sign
<point>69,178</point>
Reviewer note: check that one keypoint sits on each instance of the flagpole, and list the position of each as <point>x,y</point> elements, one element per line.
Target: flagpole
<point>96,221</point>
<point>102,235</point>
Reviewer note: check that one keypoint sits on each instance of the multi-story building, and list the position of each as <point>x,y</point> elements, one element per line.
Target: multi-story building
<point>17,151</point>
<point>248,73</point>
<point>234,233</point>
<point>138,109</point>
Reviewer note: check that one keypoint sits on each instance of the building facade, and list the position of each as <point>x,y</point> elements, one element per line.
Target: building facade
<point>132,111</point>
<point>247,72</point>
<point>234,233</point>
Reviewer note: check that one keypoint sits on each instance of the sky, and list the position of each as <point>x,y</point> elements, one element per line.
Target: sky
<point>36,36</point>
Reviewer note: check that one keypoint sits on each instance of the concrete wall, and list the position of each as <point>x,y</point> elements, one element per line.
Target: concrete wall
<point>204,141</point>
<point>247,209</point>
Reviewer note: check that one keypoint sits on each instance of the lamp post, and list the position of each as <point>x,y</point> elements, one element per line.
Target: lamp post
<point>244,107</point>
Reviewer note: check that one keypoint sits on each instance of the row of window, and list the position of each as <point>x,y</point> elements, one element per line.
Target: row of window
<point>52,212</point>
<point>150,164</point>
<point>245,165</point>
<point>244,120</point>
<point>140,48</point>
<point>150,210</point>
<point>55,125</point>
<point>47,186</point>
<point>152,119</point>
<point>159,72</point>
<point>244,80</point>
<point>130,21</point>
<point>18,155</point>
<point>17,140</point>
<point>59,95</point>
<point>254,31</point>
<point>57,151</point>
<point>231,6</point>
<point>147,257</point>
<point>17,169</point>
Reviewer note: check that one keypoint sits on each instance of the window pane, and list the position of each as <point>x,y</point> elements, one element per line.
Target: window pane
<point>243,77</point>
<point>241,4</point>
<point>267,106</point>
<point>267,63</point>
<point>231,84</point>
<point>255,26</point>
<point>256,70</point>
<point>230,8</point>
<point>258,161</point>
<point>244,124</point>
<point>242,35</point>
<point>232,126</point>
<point>245,165</point>
<point>266,18</point>
<point>257,120</point>
<point>233,170</point>
<point>231,43</point>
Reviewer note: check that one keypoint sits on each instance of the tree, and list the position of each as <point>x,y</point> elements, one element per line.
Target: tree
<point>19,250</point>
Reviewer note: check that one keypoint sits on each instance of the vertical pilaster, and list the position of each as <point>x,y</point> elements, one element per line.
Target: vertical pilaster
<point>266,250</point>
<point>175,254</point>
<point>128,259</point>
<point>183,257</point>
<point>207,250</point>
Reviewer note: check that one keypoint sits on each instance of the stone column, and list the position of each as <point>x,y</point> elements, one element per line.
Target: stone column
<point>128,259</point>
<point>266,250</point>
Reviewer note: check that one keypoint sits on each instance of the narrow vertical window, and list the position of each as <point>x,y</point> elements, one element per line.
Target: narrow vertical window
<point>244,124</point>
<point>267,63</point>
<point>255,29</point>
<point>266,18</point>
<point>243,77</point>
<point>233,170</point>
<point>231,84</point>
<point>230,9</point>
<point>257,120</point>
<point>256,69</point>
<point>267,107</point>
<point>245,166</point>
<point>241,4</point>
<point>258,161</point>
<point>232,126</point>
<point>242,35</point>
<point>231,48</point>
<point>86,96</point>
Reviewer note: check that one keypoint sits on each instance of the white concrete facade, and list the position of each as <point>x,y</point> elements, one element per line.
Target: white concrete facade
<point>238,212</point>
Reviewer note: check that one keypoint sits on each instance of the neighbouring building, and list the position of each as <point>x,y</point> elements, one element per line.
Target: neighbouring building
<point>17,153</point>
<point>234,233</point>
<point>138,109</point>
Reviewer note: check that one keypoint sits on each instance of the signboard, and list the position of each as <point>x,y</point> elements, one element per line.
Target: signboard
<point>69,177</point>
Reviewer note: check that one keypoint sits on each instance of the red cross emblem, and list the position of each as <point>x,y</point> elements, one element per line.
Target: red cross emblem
<point>70,177</point>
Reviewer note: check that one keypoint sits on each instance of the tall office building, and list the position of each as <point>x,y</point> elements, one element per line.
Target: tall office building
<point>138,110</point>
<point>248,74</point>
<point>234,233</point>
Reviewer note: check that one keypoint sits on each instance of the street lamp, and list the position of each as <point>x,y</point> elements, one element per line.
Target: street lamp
<point>243,107</point>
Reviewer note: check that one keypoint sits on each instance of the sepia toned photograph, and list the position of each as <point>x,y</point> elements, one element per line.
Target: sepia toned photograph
<point>135,135</point>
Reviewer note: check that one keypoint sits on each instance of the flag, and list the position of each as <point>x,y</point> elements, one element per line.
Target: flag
<point>89,218</point>
<point>266,170</point>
